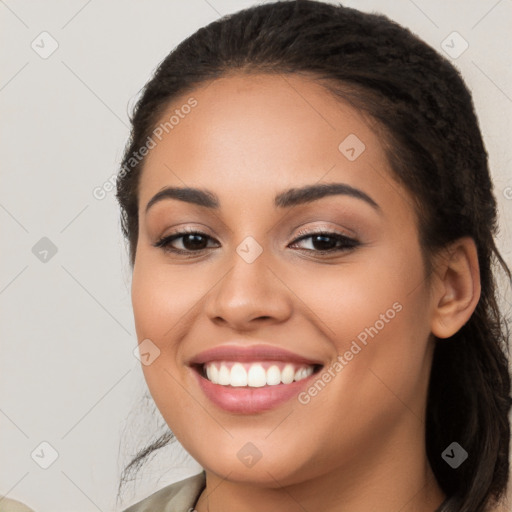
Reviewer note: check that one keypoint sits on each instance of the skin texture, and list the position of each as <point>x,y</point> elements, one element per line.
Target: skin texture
<point>358,444</point>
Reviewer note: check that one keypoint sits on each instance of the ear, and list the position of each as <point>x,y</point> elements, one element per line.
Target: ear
<point>456,290</point>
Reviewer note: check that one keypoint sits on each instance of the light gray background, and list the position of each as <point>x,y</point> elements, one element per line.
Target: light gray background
<point>67,374</point>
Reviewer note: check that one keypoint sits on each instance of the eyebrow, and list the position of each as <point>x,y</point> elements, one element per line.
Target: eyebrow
<point>286,199</point>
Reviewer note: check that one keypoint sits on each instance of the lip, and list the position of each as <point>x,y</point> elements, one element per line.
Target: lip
<point>246,400</point>
<point>250,353</point>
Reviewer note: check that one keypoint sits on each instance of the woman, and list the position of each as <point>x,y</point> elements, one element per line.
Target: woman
<point>310,220</point>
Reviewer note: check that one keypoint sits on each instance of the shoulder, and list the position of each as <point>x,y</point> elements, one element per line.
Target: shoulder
<point>178,497</point>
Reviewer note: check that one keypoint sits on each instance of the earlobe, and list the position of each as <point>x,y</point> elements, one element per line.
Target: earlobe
<point>457,287</point>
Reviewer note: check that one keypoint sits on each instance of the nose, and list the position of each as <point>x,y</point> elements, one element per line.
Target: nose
<point>248,296</point>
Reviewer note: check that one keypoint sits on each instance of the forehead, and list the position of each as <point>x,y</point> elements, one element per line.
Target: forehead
<point>262,133</point>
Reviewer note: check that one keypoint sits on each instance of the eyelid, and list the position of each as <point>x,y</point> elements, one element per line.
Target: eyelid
<point>348,243</point>
<point>189,229</point>
<point>176,234</point>
<point>325,229</point>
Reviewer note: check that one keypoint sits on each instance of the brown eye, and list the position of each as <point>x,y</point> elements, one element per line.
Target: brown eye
<point>193,241</point>
<point>327,242</point>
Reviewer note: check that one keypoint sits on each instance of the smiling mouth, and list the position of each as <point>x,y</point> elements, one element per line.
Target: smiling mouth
<point>255,374</point>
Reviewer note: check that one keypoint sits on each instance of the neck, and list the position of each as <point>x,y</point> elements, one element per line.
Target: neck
<point>397,477</point>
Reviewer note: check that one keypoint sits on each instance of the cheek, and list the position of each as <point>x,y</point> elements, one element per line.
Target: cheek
<point>161,298</point>
<point>376,314</point>
<point>365,291</point>
<point>159,303</point>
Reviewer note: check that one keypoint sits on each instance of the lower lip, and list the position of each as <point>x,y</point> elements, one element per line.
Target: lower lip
<point>246,400</point>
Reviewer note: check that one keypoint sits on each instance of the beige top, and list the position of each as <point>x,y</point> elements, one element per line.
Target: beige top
<point>181,496</point>
<point>178,497</point>
<point>9,505</point>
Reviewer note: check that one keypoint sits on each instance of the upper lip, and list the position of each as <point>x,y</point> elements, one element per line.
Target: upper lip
<point>249,353</point>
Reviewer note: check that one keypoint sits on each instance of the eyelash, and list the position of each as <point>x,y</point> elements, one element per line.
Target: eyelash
<point>347,243</point>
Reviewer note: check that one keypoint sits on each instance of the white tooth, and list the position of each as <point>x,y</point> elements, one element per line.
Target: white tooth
<point>287,374</point>
<point>303,373</point>
<point>238,375</point>
<point>224,377</point>
<point>256,378</point>
<point>213,373</point>
<point>273,375</point>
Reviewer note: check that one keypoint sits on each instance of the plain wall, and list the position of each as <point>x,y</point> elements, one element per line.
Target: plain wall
<point>68,376</point>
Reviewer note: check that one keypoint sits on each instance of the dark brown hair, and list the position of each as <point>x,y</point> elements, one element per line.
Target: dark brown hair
<point>425,113</point>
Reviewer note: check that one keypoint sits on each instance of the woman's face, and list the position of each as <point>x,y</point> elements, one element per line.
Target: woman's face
<point>317,345</point>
